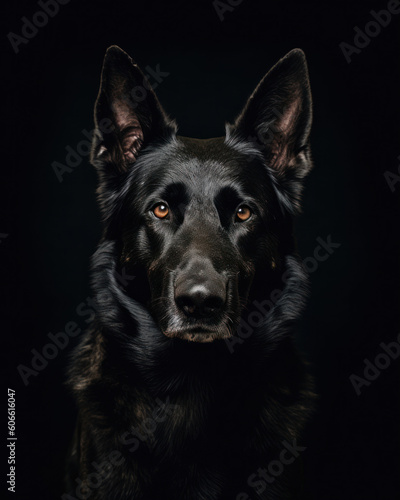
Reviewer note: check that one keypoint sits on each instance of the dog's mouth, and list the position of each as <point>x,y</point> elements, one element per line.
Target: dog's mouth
<point>199,334</point>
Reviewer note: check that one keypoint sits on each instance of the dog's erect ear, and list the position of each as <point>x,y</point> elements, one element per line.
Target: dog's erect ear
<point>277,117</point>
<point>127,113</point>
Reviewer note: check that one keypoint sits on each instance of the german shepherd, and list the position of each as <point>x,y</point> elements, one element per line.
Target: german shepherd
<point>188,383</point>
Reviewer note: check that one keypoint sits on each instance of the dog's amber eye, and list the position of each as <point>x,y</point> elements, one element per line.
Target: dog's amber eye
<point>161,211</point>
<point>243,213</point>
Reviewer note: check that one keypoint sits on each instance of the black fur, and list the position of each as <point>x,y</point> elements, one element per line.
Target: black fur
<point>182,393</point>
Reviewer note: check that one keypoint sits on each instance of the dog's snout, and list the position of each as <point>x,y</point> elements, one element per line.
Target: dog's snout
<point>200,291</point>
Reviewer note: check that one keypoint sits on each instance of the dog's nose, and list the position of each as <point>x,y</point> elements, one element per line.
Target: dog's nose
<point>200,291</point>
<point>200,300</point>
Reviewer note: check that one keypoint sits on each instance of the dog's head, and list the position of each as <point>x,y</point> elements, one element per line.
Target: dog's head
<point>203,225</point>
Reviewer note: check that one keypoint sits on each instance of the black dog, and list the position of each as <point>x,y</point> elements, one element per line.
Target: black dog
<point>188,384</point>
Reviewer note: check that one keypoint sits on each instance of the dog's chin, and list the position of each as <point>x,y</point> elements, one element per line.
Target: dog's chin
<point>199,335</point>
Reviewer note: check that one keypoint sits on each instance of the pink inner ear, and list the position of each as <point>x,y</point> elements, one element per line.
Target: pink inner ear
<point>288,121</point>
<point>288,118</point>
<point>129,128</point>
<point>282,139</point>
<point>123,114</point>
<point>132,142</point>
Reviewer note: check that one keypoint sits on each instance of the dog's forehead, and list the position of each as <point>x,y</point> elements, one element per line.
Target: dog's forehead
<point>203,165</point>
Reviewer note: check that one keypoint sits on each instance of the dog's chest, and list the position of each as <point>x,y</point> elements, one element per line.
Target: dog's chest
<point>184,424</point>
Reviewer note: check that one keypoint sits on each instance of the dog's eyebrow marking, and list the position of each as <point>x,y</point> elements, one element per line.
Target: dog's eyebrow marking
<point>228,196</point>
<point>226,201</point>
<point>175,193</point>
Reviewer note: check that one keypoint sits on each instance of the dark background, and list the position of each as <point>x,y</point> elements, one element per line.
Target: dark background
<point>49,88</point>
